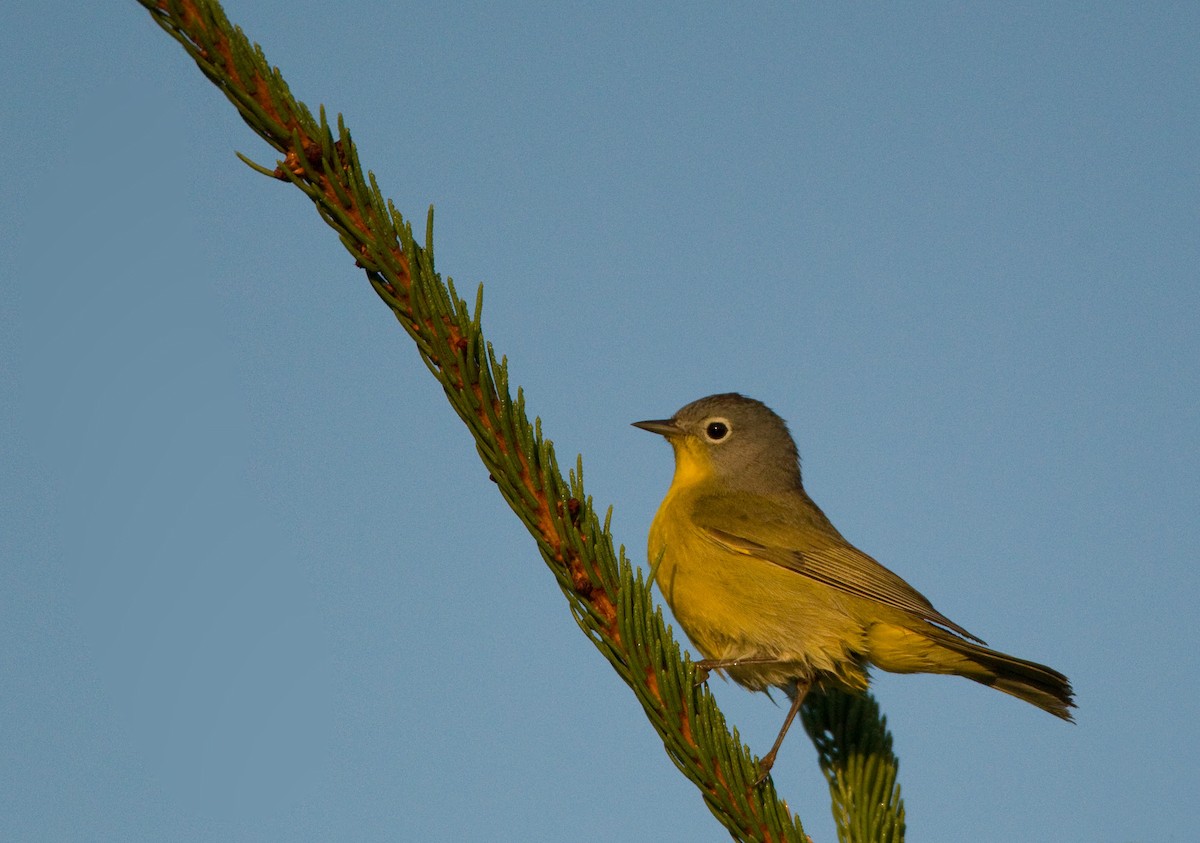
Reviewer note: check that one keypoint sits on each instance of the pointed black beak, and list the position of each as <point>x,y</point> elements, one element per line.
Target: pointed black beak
<point>663,427</point>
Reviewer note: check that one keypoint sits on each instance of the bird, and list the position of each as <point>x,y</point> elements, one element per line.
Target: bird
<point>773,596</point>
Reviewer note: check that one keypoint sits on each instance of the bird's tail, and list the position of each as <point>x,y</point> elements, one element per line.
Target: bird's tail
<point>934,650</point>
<point>1035,683</point>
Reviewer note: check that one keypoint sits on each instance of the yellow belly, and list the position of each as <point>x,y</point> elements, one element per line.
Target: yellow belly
<point>737,606</point>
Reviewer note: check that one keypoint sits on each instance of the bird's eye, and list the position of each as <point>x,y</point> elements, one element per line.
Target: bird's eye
<point>716,430</point>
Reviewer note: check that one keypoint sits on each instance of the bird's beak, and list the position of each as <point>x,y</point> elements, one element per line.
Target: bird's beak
<point>663,427</point>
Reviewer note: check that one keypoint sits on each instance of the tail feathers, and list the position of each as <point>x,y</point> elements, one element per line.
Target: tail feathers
<point>1035,683</point>
<point>932,650</point>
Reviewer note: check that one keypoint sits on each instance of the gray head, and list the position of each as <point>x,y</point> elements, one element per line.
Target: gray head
<point>744,442</point>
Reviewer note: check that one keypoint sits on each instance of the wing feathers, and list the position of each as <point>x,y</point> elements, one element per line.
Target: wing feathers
<point>813,549</point>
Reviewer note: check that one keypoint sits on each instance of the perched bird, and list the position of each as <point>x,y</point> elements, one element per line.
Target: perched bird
<point>772,594</point>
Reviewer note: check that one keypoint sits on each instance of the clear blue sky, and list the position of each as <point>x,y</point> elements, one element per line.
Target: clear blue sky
<point>255,584</point>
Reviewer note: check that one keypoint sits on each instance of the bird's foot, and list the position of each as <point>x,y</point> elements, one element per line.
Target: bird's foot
<point>703,670</point>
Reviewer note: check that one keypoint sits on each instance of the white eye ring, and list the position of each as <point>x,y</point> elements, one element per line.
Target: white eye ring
<point>717,429</point>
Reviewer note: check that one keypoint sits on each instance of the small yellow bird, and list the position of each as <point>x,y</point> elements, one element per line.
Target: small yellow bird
<point>771,593</point>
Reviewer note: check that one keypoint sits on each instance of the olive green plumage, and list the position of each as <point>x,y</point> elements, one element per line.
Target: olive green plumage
<point>770,592</point>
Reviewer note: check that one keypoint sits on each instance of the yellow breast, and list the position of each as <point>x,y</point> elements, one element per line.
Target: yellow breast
<point>735,606</point>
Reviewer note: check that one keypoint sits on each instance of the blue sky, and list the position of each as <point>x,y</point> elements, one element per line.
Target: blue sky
<point>255,584</point>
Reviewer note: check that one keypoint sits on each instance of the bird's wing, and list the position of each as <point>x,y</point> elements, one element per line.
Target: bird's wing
<point>803,541</point>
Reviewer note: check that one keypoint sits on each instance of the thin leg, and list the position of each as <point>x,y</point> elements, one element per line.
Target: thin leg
<point>768,761</point>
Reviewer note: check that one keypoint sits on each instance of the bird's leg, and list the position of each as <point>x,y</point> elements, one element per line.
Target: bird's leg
<point>768,761</point>
<point>705,666</point>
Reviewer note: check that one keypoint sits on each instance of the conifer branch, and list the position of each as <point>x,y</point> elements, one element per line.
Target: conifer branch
<point>854,748</point>
<point>608,597</point>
